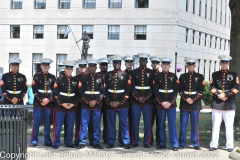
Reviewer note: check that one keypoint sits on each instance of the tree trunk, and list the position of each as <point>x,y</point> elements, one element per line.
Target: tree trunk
<point>235,48</point>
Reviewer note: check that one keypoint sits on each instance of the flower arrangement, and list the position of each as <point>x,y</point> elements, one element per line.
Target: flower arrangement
<point>178,69</point>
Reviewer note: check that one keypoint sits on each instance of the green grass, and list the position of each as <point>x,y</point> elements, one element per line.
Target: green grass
<point>205,130</point>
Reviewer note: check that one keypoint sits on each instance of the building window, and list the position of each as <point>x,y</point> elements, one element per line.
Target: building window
<point>206,40</point>
<point>186,39</point>
<point>15,31</point>
<point>141,3</point>
<point>115,3</point>
<point>40,4</point>
<point>64,4</point>
<point>200,7</point>
<point>16,4</point>
<point>110,65</point>
<point>59,62</point>
<point>193,6</point>
<point>89,4</point>
<point>216,11</point>
<point>136,62</point>
<point>220,43</point>
<point>140,33</point>
<point>113,32</point>
<point>206,9</point>
<point>211,10</point>
<point>89,30</point>
<point>187,5</point>
<point>204,68</point>
<point>211,38</point>
<point>193,37</point>
<point>13,55</point>
<point>215,42</point>
<point>209,74</point>
<point>221,14</point>
<point>215,65</point>
<point>225,44</point>
<point>200,34</point>
<point>36,65</point>
<point>38,31</point>
<point>199,63</point>
<point>61,32</point>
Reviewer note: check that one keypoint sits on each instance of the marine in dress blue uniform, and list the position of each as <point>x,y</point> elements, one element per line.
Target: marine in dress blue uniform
<point>66,96</point>
<point>191,88</point>
<point>142,100</point>
<point>103,66</point>
<point>91,91</point>
<point>224,86</point>
<point>155,60</point>
<point>82,64</point>
<point>42,86</point>
<point>165,86</point>
<point>14,84</point>
<point>129,63</point>
<point>118,85</point>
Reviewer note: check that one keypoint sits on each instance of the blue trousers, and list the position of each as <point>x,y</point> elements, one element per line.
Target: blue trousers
<point>172,129</point>
<point>38,115</point>
<point>111,125</point>
<point>59,121</point>
<point>77,125</point>
<point>95,116</point>
<point>194,116</point>
<point>147,116</point>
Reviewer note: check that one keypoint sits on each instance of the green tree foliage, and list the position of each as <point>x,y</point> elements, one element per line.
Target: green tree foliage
<point>207,95</point>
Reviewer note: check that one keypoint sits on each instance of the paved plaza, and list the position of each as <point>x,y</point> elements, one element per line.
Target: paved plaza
<point>44,153</point>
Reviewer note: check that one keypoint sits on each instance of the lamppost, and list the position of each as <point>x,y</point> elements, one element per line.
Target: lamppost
<point>176,52</point>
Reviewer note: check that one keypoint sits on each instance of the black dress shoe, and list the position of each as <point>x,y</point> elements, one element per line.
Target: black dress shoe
<point>80,146</point>
<point>71,146</point>
<point>34,145</point>
<point>127,146</point>
<point>160,147</point>
<point>180,147</point>
<point>98,146</point>
<point>197,147</point>
<point>134,145</point>
<point>146,146</point>
<point>110,145</point>
<point>120,145</point>
<point>91,144</point>
<point>175,148</point>
<point>229,149</point>
<point>48,145</point>
<point>212,149</point>
<point>55,147</point>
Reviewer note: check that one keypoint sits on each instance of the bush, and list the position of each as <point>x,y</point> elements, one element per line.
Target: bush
<point>207,95</point>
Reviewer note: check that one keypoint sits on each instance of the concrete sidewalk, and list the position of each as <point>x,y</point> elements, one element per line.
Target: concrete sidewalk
<point>44,153</point>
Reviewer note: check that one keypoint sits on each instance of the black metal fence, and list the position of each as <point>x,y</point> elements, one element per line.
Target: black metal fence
<point>13,131</point>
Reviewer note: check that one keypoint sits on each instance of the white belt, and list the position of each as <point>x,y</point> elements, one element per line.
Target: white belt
<point>44,91</point>
<point>142,87</point>
<point>116,91</point>
<point>166,91</point>
<point>92,92</point>
<point>14,92</point>
<point>222,91</point>
<point>190,93</point>
<point>67,94</point>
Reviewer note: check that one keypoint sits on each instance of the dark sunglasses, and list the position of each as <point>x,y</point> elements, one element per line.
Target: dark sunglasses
<point>45,64</point>
<point>155,62</point>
